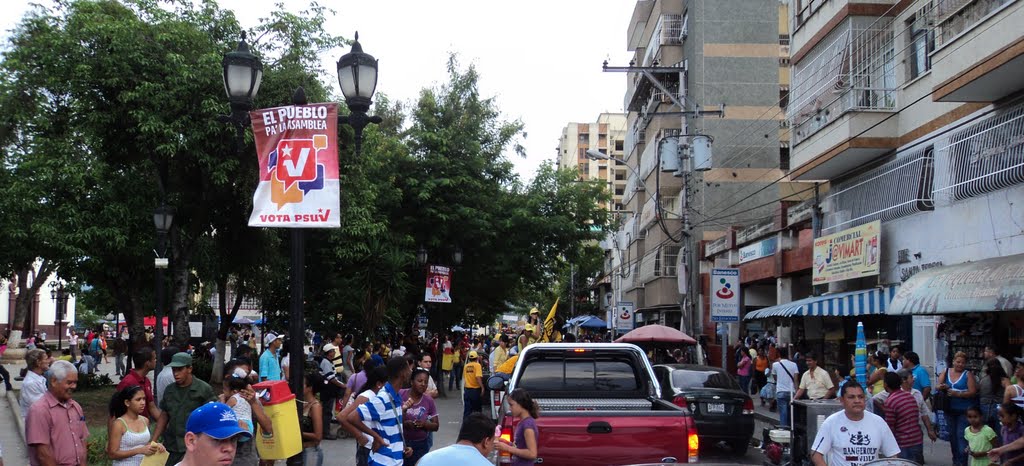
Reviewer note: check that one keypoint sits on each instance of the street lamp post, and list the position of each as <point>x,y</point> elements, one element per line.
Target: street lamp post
<point>59,295</point>
<point>357,76</point>
<point>163,217</point>
<point>422,258</point>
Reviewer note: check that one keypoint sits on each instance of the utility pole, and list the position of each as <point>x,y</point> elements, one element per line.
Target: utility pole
<point>572,290</point>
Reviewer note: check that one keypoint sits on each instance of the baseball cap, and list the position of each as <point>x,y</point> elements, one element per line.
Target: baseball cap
<point>329,347</point>
<point>472,355</point>
<point>216,420</point>
<point>182,359</point>
<point>267,340</point>
<point>530,328</point>
<point>534,311</point>
<point>1019,360</point>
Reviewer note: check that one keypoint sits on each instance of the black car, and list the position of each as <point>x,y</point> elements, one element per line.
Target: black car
<point>719,407</point>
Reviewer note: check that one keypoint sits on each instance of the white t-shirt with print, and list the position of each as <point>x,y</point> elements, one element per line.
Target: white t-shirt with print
<point>844,442</point>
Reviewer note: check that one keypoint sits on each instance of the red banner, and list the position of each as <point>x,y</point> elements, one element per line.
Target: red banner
<point>297,148</point>
<point>439,284</point>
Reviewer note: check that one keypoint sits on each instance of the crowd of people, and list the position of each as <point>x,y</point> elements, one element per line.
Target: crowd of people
<point>381,394</point>
<point>901,404</point>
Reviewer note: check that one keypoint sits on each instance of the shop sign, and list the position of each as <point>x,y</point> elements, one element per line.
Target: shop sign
<point>851,253</point>
<point>624,316</point>
<point>725,295</point>
<point>763,248</point>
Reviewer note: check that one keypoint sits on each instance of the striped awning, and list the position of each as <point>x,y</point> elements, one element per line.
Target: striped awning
<point>847,304</point>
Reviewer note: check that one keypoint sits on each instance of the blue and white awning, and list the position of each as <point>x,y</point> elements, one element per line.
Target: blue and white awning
<point>847,304</point>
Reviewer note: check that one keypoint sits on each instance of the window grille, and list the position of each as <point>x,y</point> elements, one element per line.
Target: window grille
<point>896,189</point>
<point>984,157</point>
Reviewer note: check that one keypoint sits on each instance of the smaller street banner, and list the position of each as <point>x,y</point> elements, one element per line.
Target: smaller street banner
<point>624,316</point>
<point>851,253</point>
<point>297,147</point>
<point>725,295</point>
<point>439,284</point>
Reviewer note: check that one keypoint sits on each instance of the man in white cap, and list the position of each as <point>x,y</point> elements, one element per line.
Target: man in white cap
<point>270,360</point>
<point>332,388</point>
<point>211,435</point>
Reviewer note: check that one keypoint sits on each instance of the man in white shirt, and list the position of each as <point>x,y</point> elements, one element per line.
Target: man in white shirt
<point>785,372</point>
<point>34,385</point>
<point>853,437</point>
<point>474,444</point>
<point>166,375</point>
<point>816,382</point>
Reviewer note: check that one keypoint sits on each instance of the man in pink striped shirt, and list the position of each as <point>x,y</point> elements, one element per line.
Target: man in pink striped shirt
<point>903,416</point>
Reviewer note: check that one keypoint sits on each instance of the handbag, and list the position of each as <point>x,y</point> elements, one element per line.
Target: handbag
<point>940,401</point>
<point>941,426</point>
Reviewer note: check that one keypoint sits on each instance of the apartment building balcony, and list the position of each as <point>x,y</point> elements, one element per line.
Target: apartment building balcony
<point>979,52</point>
<point>842,94</point>
<point>659,263</point>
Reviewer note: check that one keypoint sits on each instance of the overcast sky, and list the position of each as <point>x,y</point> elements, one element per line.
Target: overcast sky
<point>540,58</point>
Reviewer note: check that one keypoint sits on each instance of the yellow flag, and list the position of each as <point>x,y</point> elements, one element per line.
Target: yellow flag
<point>550,335</point>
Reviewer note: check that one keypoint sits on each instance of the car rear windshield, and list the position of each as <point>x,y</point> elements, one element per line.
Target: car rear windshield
<point>687,378</point>
<point>604,376</point>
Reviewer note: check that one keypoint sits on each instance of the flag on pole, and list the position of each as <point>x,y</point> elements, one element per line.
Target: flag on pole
<point>550,334</point>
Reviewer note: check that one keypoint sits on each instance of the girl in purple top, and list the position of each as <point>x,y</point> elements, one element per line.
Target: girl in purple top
<point>1012,429</point>
<point>525,410</point>
<point>420,416</point>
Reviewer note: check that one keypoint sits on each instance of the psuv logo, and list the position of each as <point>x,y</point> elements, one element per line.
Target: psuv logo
<point>295,169</point>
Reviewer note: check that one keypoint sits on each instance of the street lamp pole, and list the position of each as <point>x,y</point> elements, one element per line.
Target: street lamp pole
<point>59,295</point>
<point>357,75</point>
<point>163,216</point>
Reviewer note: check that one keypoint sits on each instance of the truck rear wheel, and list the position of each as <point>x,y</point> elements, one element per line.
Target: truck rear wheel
<point>739,447</point>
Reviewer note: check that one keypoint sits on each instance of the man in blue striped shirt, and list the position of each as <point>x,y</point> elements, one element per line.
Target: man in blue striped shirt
<point>384,413</point>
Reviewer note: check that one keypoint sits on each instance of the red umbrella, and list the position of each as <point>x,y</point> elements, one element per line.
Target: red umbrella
<point>656,334</point>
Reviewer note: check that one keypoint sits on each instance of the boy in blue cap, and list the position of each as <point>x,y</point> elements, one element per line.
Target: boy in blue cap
<point>210,436</point>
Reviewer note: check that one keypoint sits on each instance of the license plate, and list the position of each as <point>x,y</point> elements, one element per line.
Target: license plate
<point>716,408</point>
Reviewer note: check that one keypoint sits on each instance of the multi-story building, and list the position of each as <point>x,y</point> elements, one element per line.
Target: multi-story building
<point>705,57</point>
<point>914,111</point>
<point>606,135</point>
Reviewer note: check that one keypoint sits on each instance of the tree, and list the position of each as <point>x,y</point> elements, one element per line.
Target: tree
<point>109,95</point>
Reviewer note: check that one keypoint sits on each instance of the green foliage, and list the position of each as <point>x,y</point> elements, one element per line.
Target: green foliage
<point>110,108</point>
<point>96,446</point>
<point>87,382</point>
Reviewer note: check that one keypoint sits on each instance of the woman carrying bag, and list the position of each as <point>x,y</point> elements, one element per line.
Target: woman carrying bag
<point>958,385</point>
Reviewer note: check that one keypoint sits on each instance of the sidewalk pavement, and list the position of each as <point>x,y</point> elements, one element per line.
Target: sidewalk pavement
<point>935,453</point>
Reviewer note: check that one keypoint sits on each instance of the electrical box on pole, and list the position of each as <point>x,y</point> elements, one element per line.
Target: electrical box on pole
<point>669,154</point>
<point>700,147</point>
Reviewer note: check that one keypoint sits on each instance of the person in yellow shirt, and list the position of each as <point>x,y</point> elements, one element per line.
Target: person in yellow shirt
<point>473,383</point>
<point>500,354</point>
<point>532,335</point>
<point>509,365</point>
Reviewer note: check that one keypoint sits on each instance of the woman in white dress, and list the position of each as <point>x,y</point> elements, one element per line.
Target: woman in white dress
<point>129,441</point>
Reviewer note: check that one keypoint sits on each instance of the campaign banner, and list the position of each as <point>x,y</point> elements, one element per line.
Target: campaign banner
<point>725,295</point>
<point>439,284</point>
<point>297,147</point>
<point>851,253</point>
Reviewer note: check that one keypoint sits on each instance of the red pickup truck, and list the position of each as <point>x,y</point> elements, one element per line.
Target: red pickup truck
<point>601,405</point>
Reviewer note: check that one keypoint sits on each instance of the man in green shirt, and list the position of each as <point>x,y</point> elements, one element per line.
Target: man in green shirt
<point>178,401</point>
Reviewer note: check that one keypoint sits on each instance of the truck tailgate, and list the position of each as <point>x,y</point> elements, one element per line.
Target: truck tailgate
<point>610,438</point>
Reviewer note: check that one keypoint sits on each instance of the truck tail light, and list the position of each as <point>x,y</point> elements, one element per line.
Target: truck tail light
<point>693,447</point>
<point>506,436</point>
<point>680,401</point>
<point>748,406</point>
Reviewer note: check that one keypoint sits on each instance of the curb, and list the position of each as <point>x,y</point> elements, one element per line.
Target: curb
<point>16,414</point>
